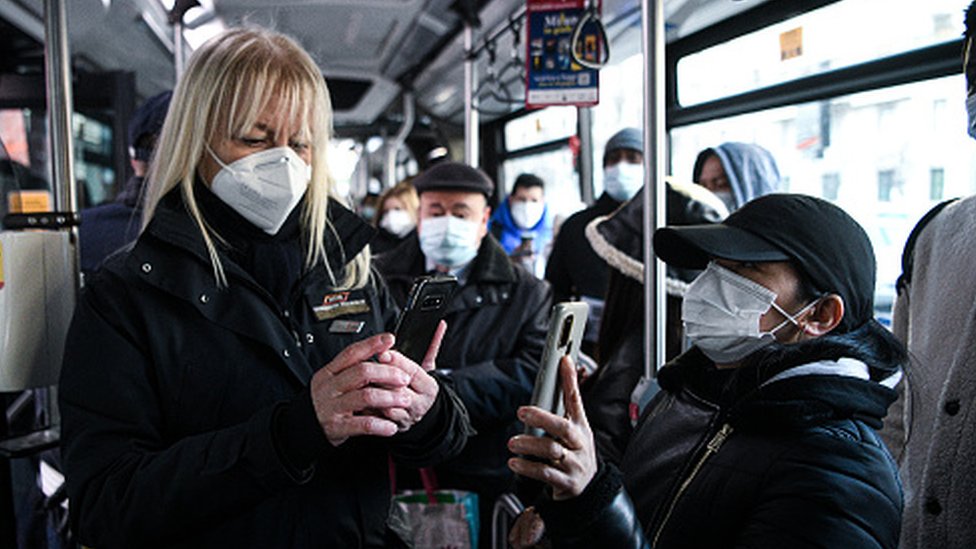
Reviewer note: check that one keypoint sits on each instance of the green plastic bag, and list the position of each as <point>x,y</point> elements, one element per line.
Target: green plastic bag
<point>450,522</point>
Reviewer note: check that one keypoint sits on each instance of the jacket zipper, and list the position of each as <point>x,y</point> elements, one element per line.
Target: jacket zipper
<point>710,449</point>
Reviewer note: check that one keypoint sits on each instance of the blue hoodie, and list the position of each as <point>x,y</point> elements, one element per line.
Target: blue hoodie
<point>510,235</point>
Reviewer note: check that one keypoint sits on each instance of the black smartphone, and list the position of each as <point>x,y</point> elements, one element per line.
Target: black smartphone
<point>566,327</point>
<point>426,306</point>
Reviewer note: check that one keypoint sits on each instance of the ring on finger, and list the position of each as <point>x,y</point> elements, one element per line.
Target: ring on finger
<point>559,460</point>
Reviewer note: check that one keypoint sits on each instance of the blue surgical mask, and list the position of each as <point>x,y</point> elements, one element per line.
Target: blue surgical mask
<point>449,241</point>
<point>971,115</point>
<point>623,180</point>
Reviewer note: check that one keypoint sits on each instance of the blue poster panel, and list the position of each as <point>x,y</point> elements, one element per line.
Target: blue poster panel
<point>553,77</point>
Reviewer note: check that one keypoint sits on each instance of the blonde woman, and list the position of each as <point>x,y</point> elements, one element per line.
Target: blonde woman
<point>227,381</point>
<point>396,216</point>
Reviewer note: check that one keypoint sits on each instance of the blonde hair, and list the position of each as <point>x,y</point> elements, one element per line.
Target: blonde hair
<point>407,194</point>
<point>228,83</point>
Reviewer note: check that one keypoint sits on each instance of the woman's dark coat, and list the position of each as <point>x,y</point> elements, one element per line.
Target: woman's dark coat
<point>187,419</point>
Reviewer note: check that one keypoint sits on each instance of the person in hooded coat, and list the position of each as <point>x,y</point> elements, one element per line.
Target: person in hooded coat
<point>737,172</point>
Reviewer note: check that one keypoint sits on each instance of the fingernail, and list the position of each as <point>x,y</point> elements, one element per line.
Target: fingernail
<point>386,338</point>
<point>522,413</point>
<point>385,356</point>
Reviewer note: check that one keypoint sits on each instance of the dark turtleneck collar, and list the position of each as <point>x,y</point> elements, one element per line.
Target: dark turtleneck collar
<point>235,229</point>
<point>171,222</point>
<point>275,261</point>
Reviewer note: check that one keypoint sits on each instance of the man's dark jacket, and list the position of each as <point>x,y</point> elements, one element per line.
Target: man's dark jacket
<point>187,418</point>
<point>496,330</point>
<point>716,461</point>
<point>574,269</point>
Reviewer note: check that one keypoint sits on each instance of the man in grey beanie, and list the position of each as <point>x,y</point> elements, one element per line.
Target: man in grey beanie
<point>574,270</point>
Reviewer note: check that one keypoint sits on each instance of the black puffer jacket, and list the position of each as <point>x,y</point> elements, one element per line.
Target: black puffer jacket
<point>187,421</point>
<point>496,329</point>
<point>720,461</point>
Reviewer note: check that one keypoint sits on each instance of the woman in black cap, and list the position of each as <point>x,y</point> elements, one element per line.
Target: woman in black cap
<point>764,432</point>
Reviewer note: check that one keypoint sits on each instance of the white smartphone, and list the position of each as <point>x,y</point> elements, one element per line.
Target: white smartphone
<point>567,324</point>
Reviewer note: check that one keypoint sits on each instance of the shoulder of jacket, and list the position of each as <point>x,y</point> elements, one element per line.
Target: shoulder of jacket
<point>908,254</point>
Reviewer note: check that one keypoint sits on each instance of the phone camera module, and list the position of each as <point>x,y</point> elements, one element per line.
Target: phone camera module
<point>432,302</point>
<point>564,333</point>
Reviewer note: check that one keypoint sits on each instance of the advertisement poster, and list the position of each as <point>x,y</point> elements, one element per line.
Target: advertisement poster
<point>552,76</point>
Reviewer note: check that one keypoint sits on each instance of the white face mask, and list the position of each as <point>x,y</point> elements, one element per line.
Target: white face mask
<point>449,241</point>
<point>727,198</point>
<point>526,214</point>
<point>263,187</point>
<point>397,222</point>
<point>721,312</point>
<point>623,180</point>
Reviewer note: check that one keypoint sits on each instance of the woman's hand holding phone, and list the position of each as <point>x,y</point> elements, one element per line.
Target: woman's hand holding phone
<point>371,389</point>
<point>423,388</point>
<point>568,454</point>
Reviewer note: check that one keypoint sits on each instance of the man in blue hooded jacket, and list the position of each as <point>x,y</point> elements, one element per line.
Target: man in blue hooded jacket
<point>523,225</point>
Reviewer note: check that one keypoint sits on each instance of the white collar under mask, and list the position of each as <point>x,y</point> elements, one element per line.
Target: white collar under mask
<point>721,312</point>
<point>263,187</point>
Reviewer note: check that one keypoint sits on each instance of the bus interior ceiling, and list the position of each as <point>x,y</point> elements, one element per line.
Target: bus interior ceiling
<point>370,51</point>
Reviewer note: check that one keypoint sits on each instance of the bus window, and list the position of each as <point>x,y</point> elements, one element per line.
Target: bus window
<point>540,126</point>
<point>557,170</point>
<point>813,43</point>
<point>538,142</point>
<point>886,156</point>
<point>621,106</point>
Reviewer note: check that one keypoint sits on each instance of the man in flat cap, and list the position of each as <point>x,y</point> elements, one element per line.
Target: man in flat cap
<point>496,322</point>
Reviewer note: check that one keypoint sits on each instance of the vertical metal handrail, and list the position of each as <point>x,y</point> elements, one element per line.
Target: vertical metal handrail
<point>60,106</point>
<point>393,147</point>
<point>470,98</point>
<point>585,125</point>
<point>652,42</point>
<point>178,54</point>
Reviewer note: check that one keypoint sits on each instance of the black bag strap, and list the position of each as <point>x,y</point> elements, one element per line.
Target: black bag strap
<point>908,255</point>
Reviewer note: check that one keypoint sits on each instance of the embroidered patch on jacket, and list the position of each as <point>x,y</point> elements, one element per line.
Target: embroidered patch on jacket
<point>346,326</point>
<point>339,304</point>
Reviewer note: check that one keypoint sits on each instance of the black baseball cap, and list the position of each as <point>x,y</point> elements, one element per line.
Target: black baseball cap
<point>454,176</point>
<point>819,238</point>
<point>147,120</point>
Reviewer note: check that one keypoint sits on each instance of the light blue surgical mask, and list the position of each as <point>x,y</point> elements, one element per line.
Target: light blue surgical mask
<point>623,180</point>
<point>971,115</point>
<point>449,241</point>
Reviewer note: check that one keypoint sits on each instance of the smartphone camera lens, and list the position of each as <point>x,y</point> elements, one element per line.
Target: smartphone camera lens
<point>432,302</point>
<point>564,334</point>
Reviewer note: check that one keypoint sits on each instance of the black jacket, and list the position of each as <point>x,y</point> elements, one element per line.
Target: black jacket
<point>385,241</point>
<point>187,420</point>
<point>496,330</point>
<point>717,461</point>
<point>574,269</point>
